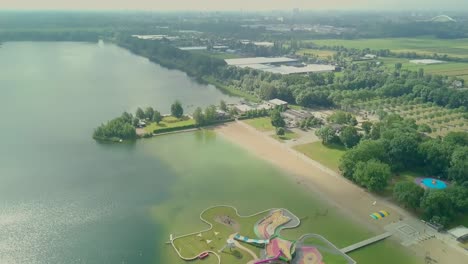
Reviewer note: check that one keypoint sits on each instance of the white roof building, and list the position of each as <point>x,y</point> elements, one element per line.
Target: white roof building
<point>194,48</point>
<point>258,60</point>
<point>314,68</point>
<point>278,102</point>
<point>243,108</point>
<point>459,233</point>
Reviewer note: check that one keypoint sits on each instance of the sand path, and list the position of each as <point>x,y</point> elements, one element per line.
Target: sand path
<point>335,189</point>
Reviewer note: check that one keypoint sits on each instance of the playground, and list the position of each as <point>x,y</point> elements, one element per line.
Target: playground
<point>254,239</point>
<point>431,183</point>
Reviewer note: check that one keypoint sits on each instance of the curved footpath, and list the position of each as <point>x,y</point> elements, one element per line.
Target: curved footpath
<point>352,200</point>
<point>208,229</point>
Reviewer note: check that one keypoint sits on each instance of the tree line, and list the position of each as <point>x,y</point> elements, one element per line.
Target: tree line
<point>394,145</point>
<point>123,127</point>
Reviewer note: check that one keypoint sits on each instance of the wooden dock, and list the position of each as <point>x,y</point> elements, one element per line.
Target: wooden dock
<point>365,242</point>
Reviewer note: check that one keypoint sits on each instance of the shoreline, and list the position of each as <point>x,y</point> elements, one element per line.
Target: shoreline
<point>352,200</point>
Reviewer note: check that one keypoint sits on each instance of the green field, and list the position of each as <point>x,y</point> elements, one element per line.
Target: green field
<point>192,245</point>
<point>169,122</point>
<point>211,171</point>
<point>320,53</point>
<point>423,45</point>
<point>329,156</point>
<point>458,69</point>
<point>262,124</point>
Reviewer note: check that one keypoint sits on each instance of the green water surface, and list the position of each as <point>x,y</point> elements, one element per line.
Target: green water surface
<point>66,199</point>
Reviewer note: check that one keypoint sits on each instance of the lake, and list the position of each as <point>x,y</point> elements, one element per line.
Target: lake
<point>65,198</point>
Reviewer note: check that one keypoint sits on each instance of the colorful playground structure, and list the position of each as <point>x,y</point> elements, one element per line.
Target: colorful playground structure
<point>268,244</point>
<point>379,215</point>
<point>276,248</point>
<point>431,183</point>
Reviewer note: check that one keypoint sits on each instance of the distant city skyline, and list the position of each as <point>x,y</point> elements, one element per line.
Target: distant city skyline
<point>212,5</point>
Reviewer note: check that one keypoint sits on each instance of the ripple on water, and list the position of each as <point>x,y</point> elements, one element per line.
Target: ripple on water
<point>37,232</point>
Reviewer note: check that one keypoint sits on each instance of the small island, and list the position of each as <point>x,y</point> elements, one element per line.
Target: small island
<point>149,122</point>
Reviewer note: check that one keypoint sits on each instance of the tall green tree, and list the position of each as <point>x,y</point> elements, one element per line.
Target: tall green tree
<point>276,119</point>
<point>149,112</point>
<point>140,114</point>
<point>157,117</point>
<point>367,127</point>
<point>409,194</point>
<point>349,136</point>
<point>210,114</point>
<point>280,131</point>
<point>223,106</point>
<point>458,170</point>
<point>364,151</point>
<point>327,134</point>
<point>437,204</point>
<point>127,117</point>
<point>177,110</point>
<point>198,116</point>
<point>373,175</point>
<point>436,156</point>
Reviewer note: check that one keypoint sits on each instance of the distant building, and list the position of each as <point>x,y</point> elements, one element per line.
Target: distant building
<point>193,48</point>
<point>295,115</point>
<point>242,108</point>
<point>264,44</point>
<point>460,233</point>
<point>369,57</point>
<point>258,60</point>
<point>457,84</point>
<point>156,37</point>
<point>278,102</point>
<point>426,61</point>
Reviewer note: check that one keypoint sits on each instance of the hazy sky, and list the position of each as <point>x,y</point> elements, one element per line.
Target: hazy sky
<point>233,4</point>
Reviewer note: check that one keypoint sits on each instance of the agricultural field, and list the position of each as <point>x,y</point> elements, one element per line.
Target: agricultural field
<point>457,69</point>
<point>316,52</point>
<point>423,45</point>
<point>440,120</point>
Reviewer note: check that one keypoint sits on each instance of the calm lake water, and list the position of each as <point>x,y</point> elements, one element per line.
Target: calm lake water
<point>66,199</point>
<point>63,197</point>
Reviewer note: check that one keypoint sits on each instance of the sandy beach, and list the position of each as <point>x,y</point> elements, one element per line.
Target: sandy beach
<point>335,189</point>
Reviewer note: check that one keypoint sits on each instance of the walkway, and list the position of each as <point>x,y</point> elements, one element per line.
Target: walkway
<point>365,242</point>
<point>239,246</point>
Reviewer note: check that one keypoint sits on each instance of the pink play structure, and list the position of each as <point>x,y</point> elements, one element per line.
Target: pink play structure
<point>270,259</point>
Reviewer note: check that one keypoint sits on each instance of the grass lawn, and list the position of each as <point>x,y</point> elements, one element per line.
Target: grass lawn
<point>420,45</point>
<point>450,68</point>
<point>192,245</point>
<point>288,135</point>
<point>327,155</point>
<point>169,121</point>
<point>319,53</point>
<point>262,123</point>
<point>295,107</point>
